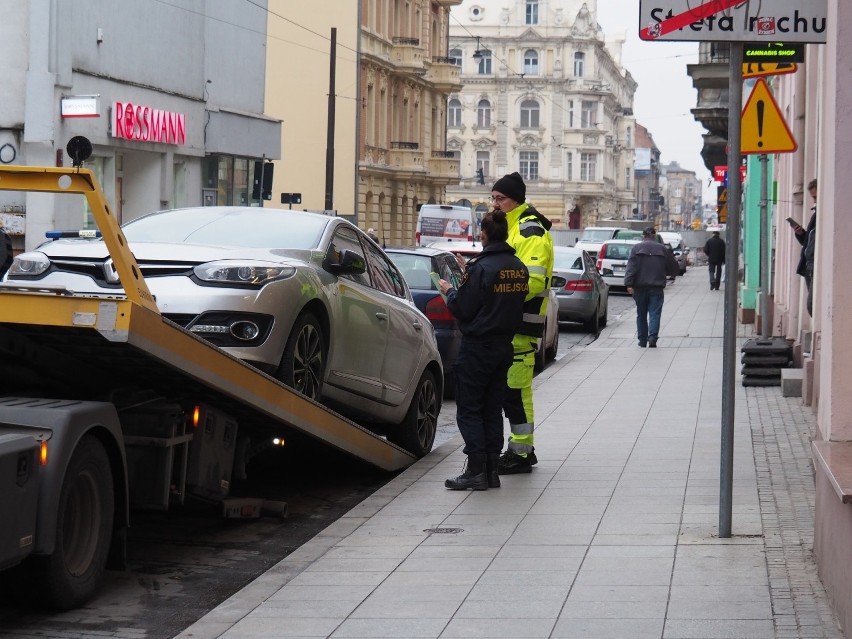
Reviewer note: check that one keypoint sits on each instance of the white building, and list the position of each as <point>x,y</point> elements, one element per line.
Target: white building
<point>545,95</point>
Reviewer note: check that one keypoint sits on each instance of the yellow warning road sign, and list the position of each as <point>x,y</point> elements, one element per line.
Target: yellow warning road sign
<point>763,127</point>
<point>758,69</point>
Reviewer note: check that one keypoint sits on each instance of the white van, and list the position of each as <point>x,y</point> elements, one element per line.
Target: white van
<point>437,222</point>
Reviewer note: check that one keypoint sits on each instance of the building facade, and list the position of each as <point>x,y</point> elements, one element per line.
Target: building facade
<point>681,204</point>
<point>543,94</point>
<point>647,171</point>
<point>177,123</point>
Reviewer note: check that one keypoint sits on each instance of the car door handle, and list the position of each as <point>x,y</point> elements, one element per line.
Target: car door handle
<point>382,317</point>
<point>417,325</point>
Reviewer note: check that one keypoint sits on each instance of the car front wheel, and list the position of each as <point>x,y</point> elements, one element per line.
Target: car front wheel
<point>303,363</point>
<point>416,433</point>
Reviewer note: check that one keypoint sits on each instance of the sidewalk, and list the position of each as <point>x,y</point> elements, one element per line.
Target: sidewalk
<point>614,535</point>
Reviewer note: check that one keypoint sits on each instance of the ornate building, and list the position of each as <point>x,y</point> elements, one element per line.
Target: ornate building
<point>545,95</point>
<point>405,79</point>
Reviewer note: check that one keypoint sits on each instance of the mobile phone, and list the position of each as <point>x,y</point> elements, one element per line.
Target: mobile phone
<point>792,222</point>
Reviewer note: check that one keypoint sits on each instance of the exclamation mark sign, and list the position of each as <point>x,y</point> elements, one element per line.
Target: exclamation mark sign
<point>760,106</point>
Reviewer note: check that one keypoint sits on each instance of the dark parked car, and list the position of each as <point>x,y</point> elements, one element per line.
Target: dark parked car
<point>582,293</point>
<point>417,264</point>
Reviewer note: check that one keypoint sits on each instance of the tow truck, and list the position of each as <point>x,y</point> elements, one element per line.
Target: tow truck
<point>106,406</point>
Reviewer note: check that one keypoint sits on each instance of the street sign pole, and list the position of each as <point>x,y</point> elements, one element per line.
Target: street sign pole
<point>765,278</point>
<point>732,252</point>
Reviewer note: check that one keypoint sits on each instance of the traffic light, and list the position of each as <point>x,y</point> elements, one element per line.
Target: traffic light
<point>262,172</point>
<point>480,176</point>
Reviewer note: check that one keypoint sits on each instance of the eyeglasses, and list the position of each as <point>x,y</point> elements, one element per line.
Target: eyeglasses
<point>498,198</point>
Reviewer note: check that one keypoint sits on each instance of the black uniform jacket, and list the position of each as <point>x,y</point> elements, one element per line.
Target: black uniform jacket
<point>489,303</point>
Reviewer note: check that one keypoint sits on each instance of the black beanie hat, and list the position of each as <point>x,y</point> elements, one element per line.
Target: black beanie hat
<point>512,186</point>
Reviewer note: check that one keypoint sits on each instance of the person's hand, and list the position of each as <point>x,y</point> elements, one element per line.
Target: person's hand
<point>445,286</point>
<point>799,230</point>
<point>461,261</point>
<point>630,290</point>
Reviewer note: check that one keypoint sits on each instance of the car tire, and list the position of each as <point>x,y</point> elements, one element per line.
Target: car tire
<point>72,574</point>
<point>303,362</point>
<point>416,433</point>
<point>592,325</point>
<point>550,352</point>
<point>5,252</point>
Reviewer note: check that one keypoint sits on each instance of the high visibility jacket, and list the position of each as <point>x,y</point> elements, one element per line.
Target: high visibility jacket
<point>530,237</point>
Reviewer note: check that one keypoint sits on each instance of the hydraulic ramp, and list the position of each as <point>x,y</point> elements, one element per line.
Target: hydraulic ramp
<point>77,347</point>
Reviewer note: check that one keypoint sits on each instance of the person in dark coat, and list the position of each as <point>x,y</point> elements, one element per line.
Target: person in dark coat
<point>489,307</point>
<point>645,279</point>
<point>807,238</point>
<point>714,249</point>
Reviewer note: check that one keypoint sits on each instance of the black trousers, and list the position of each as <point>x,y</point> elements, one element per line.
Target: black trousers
<point>480,372</point>
<point>715,274</point>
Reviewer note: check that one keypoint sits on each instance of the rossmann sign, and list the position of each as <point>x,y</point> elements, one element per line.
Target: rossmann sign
<point>734,20</point>
<point>141,123</point>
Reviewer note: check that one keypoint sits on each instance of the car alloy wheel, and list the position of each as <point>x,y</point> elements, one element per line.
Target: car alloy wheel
<point>303,363</point>
<point>416,433</point>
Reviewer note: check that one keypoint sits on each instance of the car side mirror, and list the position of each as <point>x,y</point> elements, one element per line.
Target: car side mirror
<point>347,262</point>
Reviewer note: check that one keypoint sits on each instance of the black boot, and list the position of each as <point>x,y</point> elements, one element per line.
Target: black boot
<point>474,476</point>
<point>491,470</point>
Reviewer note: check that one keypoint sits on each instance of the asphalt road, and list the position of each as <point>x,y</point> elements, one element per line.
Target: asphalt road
<point>183,563</point>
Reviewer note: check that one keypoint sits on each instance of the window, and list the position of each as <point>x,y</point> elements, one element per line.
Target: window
<point>532,12</point>
<point>384,275</point>
<point>587,167</point>
<point>454,113</point>
<point>570,114</point>
<point>483,114</point>
<point>483,161</point>
<point>485,62</point>
<point>628,137</point>
<point>529,165</point>
<point>347,239</point>
<point>627,173</point>
<point>579,64</point>
<point>456,57</point>
<point>529,114</point>
<point>530,62</point>
<point>569,166</point>
<point>588,114</point>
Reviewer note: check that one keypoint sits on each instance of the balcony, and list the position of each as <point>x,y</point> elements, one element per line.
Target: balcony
<point>406,156</point>
<point>444,165</point>
<point>407,54</point>
<point>448,3</point>
<point>444,74</point>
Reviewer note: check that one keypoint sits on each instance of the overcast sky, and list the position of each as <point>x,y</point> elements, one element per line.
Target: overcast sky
<point>665,94</point>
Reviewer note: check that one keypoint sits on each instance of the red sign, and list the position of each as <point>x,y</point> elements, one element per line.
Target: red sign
<point>143,124</point>
<point>720,173</point>
<point>681,20</point>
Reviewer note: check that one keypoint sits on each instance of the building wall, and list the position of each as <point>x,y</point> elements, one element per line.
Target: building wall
<point>202,60</point>
<point>561,139</point>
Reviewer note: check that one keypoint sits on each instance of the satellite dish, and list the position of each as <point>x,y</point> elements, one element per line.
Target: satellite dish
<point>79,149</point>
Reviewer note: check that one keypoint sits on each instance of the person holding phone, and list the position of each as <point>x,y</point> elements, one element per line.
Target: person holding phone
<point>714,249</point>
<point>807,238</point>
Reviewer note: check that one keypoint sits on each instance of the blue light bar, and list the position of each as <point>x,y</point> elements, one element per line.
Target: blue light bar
<point>89,233</point>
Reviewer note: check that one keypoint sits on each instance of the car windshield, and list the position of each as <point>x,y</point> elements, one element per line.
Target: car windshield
<point>246,227</point>
<point>596,235</point>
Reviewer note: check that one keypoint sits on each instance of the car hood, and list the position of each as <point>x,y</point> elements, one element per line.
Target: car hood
<point>160,252</point>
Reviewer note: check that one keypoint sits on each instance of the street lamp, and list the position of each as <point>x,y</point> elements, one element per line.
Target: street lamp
<point>478,54</point>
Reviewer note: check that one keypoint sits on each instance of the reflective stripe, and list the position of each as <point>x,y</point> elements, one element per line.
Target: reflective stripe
<point>522,429</point>
<point>520,448</point>
<point>536,270</point>
<point>533,319</point>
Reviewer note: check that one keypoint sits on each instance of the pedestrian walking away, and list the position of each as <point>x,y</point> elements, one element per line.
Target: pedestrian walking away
<point>645,278</point>
<point>529,235</point>
<point>807,238</point>
<point>714,249</point>
<point>489,307</point>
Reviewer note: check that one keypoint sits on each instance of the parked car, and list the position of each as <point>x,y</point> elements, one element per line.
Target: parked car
<point>417,264</point>
<point>593,236</point>
<point>681,252</point>
<point>548,347</point>
<point>612,262</point>
<point>305,297</point>
<point>581,292</point>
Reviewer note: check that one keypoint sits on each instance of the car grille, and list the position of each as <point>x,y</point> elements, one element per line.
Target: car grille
<point>96,269</point>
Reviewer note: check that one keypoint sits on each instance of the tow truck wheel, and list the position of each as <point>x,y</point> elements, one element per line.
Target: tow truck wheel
<point>71,575</point>
<point>416,433</point>
<point>5,252</point>
<point>303,363</point>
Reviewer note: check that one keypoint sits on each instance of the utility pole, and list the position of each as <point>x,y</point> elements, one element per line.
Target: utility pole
<point>329,145</point>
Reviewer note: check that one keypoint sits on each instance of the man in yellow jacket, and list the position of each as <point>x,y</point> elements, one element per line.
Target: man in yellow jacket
<point>529,235</point>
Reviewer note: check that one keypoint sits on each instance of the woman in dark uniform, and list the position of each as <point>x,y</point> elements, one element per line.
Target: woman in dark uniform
<point>489,308</point>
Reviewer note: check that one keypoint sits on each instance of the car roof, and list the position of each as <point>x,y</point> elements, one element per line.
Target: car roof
<point>416,250</point>
<point>460,246</point>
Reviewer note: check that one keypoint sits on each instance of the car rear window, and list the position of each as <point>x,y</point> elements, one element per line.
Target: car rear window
<point>617,251</point>
<point>568,261</point>
<point>628,234</point>
<point>415,269</point>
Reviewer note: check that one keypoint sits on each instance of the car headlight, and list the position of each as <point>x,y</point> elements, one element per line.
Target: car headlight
<point>30,264</point>
<point>249,274</point>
